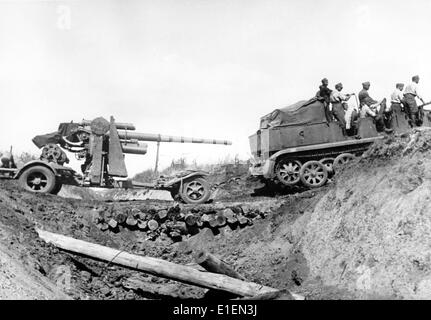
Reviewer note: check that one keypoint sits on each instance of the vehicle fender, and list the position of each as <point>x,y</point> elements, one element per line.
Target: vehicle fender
<point>268,168</point>
<point>35,163</point>
<point>176,180</point>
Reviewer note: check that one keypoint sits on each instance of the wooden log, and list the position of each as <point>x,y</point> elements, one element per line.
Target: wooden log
<point>100,218</point>
<point>156,266</point>
<point>276,295</point>
<point>162,214</point>
<point>130,221</point>
<point>190,219</point>
<point>104,226</point>
<point>163,228</point>
<point>112,223</point>
<point>242,220</point>
<point>205,218</point>
<point>169,224</point>
<point>230,216</point>
<point>180,227</point>
<point>213,222</point>
<point>142,224</point>
<point>135,212</point>
<point>221,220</point>
<point>142,216</point>
<point>120,217</point>
<point>199,223</point>
<point>153,225</point>
<point>214,264</point>
<point>176,236</point>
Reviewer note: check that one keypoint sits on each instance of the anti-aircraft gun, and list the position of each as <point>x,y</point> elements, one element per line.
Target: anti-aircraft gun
<point>102,146</point>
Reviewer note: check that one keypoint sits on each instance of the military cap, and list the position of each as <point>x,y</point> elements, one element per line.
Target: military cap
<point>339,84</point>
<point>365,83</point>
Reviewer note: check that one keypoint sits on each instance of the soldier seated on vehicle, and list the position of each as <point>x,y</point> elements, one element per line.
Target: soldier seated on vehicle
<point>339,104</point>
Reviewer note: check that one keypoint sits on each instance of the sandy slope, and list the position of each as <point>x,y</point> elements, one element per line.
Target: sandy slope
<point>371,233</point>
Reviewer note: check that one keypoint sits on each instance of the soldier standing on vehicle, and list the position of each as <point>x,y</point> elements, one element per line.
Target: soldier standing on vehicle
<point>395,113</point>
<point>397,97</point>
<point>370,107</point>
<point>324,94</point>
<point>339,104</point>
<point>410,95</point>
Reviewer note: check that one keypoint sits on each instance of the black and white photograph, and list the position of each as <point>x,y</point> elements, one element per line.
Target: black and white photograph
<point>215,154</point>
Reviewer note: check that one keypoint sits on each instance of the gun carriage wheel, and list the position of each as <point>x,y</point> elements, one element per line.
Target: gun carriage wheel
<point>195,191</point>
<point>287,171</point>
<point>313,174</point>
<point>38,179</point>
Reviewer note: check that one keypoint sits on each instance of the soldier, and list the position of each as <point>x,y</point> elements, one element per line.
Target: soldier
<point>351,118</point>
<point>397,98</point>
<point>410,95</point>
<point>370,107</point>
<point>324,94</point>
<point>394,115</point>
<point>364,97</point>
<point>5,160</point>
<point>339,104</point>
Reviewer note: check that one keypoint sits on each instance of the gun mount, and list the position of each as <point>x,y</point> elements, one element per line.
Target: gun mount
<point>102,146</point>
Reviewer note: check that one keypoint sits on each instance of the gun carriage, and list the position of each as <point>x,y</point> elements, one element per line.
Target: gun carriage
<point>102,146</point>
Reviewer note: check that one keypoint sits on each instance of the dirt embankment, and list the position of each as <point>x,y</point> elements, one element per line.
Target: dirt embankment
<point>371,232</point>
<point>364,235</point>
<point>83,278</point>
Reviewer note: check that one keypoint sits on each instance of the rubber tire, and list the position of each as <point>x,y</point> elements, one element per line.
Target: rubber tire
<point>280,163</point>
<point>57,188</point>
<point>22,180</point>
<point>203,199</point>
<point>304,168</point>
<point>338,162</point>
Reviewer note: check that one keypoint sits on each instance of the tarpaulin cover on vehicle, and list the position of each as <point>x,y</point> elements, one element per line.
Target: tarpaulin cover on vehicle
<point>64,129</point>
<point>300,113</point>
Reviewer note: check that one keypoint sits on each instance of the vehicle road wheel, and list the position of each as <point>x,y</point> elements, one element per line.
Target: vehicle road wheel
<point>37,179</point>
<point>341,160</point>
<point>287,171</point>
<point>313,174</point>
<point>195,191</point>
<point>329,164</point>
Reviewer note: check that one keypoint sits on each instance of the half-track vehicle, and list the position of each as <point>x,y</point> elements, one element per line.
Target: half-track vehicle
<point>299,144</point>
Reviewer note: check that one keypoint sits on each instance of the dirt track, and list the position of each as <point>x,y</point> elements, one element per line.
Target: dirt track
<point>338,242</point>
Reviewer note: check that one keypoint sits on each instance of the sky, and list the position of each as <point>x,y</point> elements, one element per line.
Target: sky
<point>197,68</point>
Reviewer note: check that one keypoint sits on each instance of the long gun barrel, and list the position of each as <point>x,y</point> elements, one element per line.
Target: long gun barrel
<point>123,134</point>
